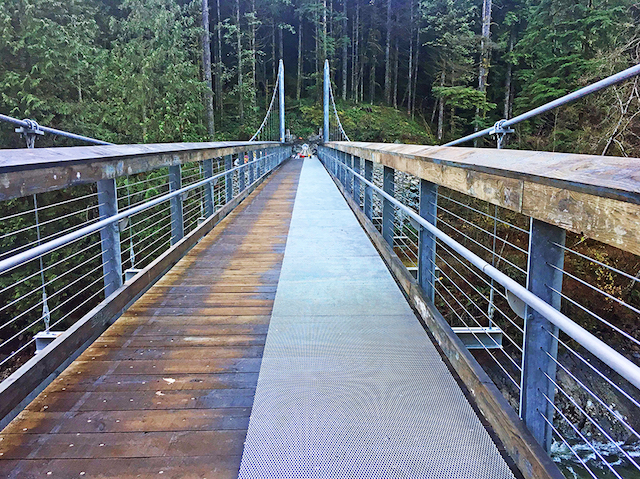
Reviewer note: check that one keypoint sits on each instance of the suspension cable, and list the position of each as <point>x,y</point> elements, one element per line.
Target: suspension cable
<point>335,112</point>
<point>266,117</point>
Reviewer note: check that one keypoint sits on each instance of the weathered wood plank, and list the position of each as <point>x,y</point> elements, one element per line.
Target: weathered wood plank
<point>175,376</point>
<point>597,196</point>
<point>28,171</point>
<point>15,389</point>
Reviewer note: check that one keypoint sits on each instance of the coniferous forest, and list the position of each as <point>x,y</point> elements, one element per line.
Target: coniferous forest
<point>415,71</point>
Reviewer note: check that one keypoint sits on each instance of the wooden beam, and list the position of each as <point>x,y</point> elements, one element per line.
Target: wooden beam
<point>596,196</point>
<point>27,171</point>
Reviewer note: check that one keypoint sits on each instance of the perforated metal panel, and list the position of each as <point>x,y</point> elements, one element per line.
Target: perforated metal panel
<point>350,385</point>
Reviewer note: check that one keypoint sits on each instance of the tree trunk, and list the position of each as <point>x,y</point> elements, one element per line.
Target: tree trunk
<point>484,55</point>
<point>331,24</point>
<point>219,102</point>
<point>507,82</point>
<point>206,65</point>
<point>344,49</point>
<point>441,106</point>
<point>395,75</point>
<point>299,79</point>
<point>387,58</point>
<point>372,81</point>
<point>355,63</point>
<point>274,62</point>
<point>254,19</point>
<point>239,46</point>
<point>324,31</point>
<point>410,68</point>
<point>415,75</point>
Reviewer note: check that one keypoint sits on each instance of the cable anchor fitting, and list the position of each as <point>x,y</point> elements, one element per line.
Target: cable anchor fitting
<point>30,132</point>
<point>500,132</point>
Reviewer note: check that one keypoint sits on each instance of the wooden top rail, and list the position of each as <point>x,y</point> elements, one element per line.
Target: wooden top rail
<point>27,171</point>
<point>597,196</point>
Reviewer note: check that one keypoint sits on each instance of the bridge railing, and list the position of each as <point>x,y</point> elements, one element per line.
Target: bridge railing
<point>85,230</point>
<point>523,263</point>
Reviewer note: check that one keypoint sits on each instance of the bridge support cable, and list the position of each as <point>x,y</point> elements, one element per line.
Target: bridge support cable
<point>459,274</point>
<point>269,130</point>
<point>502,127</point>
<point>332,126</point>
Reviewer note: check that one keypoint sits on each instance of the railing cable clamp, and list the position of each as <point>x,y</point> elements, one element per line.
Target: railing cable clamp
<point>29,132</point>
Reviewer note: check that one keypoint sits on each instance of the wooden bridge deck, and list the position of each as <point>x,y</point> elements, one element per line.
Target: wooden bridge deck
<point>350,384</point>
<point>167,390</point>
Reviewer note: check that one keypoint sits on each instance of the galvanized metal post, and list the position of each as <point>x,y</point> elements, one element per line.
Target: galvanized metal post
<point>427,242</point>
<point>281,94</point>
<point>207,170</point>
<point>387,208</point>
<point>177,220</point>
<point>325,135</point>
<point>228,179</point>
<point>110,237</point>
<point>539,340</point>
<point>368,192</point>
<point>242,172</point>
<point>356,180</point>
<point>349,162</point>
<point>252,167</point>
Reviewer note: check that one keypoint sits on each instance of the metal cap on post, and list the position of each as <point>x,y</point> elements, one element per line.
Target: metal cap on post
<point>281,93</point>
<point>325,130</point>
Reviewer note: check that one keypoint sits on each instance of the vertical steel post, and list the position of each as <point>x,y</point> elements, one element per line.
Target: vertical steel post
<point>242,172</point>
<point>259,163</point>
<point>281,94</point>
<point>177,220</point>
<point>536,363</point>
<point>387,208</point>
<point>427,242</point>
<point>368,192</point>
<point>252,167</point>
<point>349,162</point>
<point>325,135</point>
<point>207,170</point>
<point>356,180</point>
<point>228,179</point>
<point>110,237</point>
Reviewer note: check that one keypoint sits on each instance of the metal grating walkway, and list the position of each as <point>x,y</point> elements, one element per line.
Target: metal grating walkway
<point>350,385</point>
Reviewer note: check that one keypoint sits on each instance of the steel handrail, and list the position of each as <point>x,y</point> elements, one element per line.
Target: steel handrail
<point>623,366</point>
<point>30,125</point>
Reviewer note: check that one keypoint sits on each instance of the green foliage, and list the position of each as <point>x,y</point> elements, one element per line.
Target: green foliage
<point>462,97</point>
<point>362,121</point>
